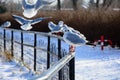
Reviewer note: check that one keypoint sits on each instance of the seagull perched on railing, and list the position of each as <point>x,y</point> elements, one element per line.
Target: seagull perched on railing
<point>26,24</point>
<point>73,31</point>
<point>6,24</point>
<point>72,37</point>
<point>31,10</point>
<point>55,28</point>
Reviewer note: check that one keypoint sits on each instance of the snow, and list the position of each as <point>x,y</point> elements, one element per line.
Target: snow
<point>94,64</point>
<point>90,64</point>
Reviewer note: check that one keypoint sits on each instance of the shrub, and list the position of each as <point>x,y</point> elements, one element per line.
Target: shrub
<point>91,23</point>
<point>7,56</point>
<point>3,9</point>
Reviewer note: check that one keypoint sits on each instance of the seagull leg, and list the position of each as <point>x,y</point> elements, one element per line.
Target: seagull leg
<point>72,48</point>
<point>58,33</point>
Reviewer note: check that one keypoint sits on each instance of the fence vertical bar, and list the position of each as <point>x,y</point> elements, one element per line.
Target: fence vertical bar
<point>35,40</point>
<point>12,43</point>
<point>22,46</point>
<point>4,38</point>
<point>72,69</point>
<point>48,54</point>
<point>59,57</point>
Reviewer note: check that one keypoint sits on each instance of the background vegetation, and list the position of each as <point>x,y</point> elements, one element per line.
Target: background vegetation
<point>91,23</point>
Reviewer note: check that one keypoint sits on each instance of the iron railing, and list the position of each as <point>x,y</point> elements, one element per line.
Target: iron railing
<point>39,51</point>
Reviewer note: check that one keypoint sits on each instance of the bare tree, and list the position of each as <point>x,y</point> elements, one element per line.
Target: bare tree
<point>75,4</point>
<point>97,3</point>
<point>59,5</point>
<point>2,7</point>
<point>107,3</point>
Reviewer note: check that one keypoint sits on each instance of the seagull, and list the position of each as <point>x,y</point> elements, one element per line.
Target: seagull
<point>30,10</point>
<point>26,24</point>
<point>6,24</point>
<point>55,28</point>
<point>72,38</point>
<point>73,31</point>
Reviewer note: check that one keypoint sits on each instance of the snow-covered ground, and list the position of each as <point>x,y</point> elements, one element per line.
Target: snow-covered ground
<point>94,64</point>
<point>90,63</point>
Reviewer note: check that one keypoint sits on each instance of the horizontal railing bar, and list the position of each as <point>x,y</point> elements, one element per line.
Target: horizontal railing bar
<point>55,68</point>
<point>30,46</point>
<point>38,33</point>
<point>37,48</point>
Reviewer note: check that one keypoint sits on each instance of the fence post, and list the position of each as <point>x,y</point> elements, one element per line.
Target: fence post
<point>48,54</point>
<point>35,51</point>
<point>22,46</point>
<point>4,38</point>
<point>72,69</point>
<point>59,57</point>
<point>12,43</point>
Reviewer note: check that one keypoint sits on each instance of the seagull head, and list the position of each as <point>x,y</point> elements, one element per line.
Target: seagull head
<point>60,23</point>
<point>66,29</point>
<point>7,23</point>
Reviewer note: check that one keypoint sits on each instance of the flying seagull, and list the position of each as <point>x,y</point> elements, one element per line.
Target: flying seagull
<point>26,24</point>
<point>30,10</point>
<point>6,24</point>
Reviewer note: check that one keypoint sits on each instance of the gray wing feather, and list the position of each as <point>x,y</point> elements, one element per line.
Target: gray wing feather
<point>43,2</point>
<point>19,19</point>
<point>26,5</point>
<point>51,26</point>
<point>75,39</point>
<point>37,20</point>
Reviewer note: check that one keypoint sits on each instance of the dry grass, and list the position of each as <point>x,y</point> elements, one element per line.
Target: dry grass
<point>91,23</point>
<point>7,56</point>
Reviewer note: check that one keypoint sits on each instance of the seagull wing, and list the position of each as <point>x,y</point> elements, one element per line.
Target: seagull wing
<point>37,20</point>
<point>41,3</point>
<point>51,26</point>
<point>19,19</point>
<point>26,5</point>
<point>38,4</point>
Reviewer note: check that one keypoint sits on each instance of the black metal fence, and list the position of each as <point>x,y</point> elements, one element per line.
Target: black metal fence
<point>37,50</point>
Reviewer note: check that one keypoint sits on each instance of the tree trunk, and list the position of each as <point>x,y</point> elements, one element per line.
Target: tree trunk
<point>97,3</point>
<point>59,5</point>
<point>74,4</point>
